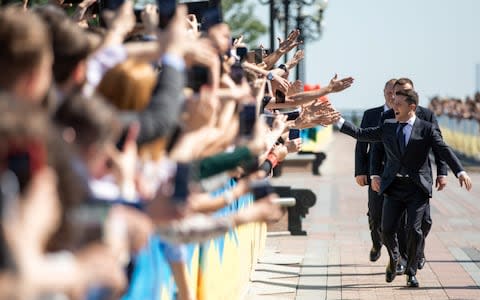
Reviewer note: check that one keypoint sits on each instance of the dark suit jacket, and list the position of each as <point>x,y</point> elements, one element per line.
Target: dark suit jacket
<point>378,151</point>
<point>371,118</point>
<point>415,159</point>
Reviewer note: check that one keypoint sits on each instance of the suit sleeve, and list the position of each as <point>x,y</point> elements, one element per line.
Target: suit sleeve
<point>361,153</point>
<point>377,155</point>
<point>445,152</point>
<point>439,162</point>
<point>371,134</point>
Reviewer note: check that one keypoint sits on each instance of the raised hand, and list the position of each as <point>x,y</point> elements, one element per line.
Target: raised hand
<point>291,41</point>
<point>339,85</point>
<point>150,19</point>
<point>295,88</point>
<point>297,57</point>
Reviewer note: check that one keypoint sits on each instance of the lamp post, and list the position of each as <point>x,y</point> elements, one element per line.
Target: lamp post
<point>308,18</point>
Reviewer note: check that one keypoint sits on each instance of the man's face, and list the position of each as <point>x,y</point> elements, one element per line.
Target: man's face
<point>388,95</point>
<point>403,110</point>
<point>221,37</point>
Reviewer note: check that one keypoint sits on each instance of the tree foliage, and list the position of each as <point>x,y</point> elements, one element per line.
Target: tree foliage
<point>239,15</point>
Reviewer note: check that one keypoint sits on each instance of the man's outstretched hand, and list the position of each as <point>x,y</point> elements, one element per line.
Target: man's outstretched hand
<point>336,86</point>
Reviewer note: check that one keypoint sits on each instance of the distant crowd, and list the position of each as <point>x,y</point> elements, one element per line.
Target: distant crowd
<point>456,107</point>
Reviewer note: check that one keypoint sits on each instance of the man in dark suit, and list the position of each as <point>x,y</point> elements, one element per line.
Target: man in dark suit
<point>377,162</point>
<point>406,181</point>
<point>363,158</point>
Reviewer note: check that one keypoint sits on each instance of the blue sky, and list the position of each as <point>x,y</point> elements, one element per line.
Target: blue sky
<point>434,42</point>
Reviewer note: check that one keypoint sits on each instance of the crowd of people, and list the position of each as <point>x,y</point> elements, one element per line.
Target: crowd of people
<point>117,130</point>
<point>457,108</point>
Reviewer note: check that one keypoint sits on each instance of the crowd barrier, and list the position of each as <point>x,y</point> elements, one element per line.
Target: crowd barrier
<point>463,135</point>
<point>218,269</point>
<point>316,139</point>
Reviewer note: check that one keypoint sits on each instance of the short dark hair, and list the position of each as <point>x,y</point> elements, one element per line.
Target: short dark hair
<point>412,96</point>
<point>403,81</point>
<point>93,119</point>
<point>25,43</point>
<point>69,42</point>
<point>393,80</point>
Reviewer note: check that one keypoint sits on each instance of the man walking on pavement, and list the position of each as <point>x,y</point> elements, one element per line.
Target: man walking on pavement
<point>363,158</point>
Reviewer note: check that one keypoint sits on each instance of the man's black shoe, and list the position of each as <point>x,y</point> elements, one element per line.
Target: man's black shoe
<point>400,269</point>
<point>421,263</point>
<point>390,272</point>
<point>412,281</point>
<point>375,254</point>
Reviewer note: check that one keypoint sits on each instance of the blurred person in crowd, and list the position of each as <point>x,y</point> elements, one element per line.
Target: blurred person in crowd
<point>71,48</point>
<point>33,210</point>
<point>25,56</point>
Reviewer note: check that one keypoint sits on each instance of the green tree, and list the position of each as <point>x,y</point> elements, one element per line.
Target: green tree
<point>239,15</point>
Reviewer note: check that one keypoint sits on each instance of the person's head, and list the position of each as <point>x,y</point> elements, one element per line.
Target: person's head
<point>404,83</point>
<point>70,47</point>
<point>388,92</point>
<point>25,55</point>
<point>406,102</point>
<point>129,85</point>
<point>92,126</point>
<point>221,37</point>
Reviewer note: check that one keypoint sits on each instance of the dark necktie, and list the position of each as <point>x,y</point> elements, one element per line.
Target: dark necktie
<point>401,137</point>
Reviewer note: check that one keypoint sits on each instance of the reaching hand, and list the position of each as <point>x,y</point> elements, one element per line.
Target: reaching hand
<point>280,83</point>
<point>464,179</point>
<point>291,41</point>
<point>361,180</point>
<point>339,85</point>
<point>294,146</point>
<point>440,182</point>
<point>297,57</point>
<point>150,18</point>
<point>237,42</point>
<point>295,88</point>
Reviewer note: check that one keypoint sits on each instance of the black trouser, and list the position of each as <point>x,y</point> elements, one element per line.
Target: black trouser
<point>375,207</point>
<point>402,196</point>
<point>402,232</point>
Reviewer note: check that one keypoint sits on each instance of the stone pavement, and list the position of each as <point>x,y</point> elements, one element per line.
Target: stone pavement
<point>331,262</point>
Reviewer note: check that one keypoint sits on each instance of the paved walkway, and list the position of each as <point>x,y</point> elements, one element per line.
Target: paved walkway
<point>332,261</point>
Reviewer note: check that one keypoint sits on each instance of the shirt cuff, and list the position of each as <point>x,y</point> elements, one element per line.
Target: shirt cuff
<point>461,173</point>
<point>173,61</point>
<point>374,176</point>
<point>340,122</point>
<point>442,175</point>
